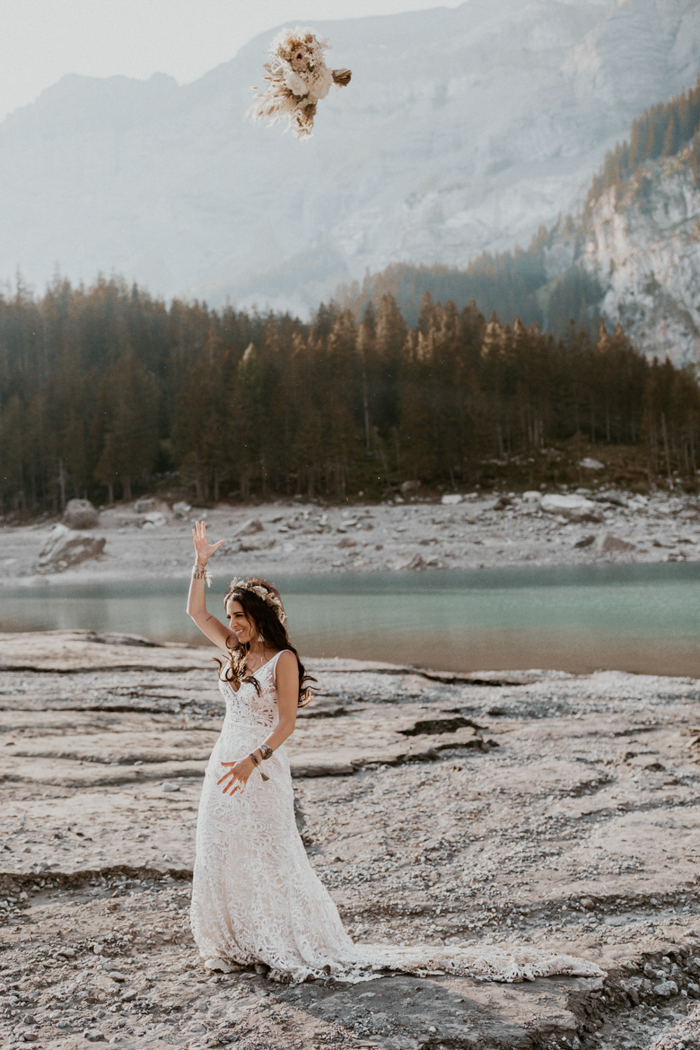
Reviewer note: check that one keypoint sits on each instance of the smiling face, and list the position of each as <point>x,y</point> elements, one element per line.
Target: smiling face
<point>243,628</point>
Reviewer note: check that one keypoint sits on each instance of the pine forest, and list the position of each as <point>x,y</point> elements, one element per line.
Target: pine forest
<point>106,393</point>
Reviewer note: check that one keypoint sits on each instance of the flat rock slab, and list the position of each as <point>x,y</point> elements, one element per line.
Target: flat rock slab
<point>115,958</point>
<point>75,651</point>
<point>577,833</point>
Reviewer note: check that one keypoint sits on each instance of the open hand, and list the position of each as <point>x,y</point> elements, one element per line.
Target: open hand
<point>236,777</point>
<point>203,548</point>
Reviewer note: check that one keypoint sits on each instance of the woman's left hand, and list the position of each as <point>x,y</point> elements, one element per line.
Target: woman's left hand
<point>236,777</point>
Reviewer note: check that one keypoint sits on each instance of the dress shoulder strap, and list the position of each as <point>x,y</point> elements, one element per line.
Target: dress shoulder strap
<point>272,664</point>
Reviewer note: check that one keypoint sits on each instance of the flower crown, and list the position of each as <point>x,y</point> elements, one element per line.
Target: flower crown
<point>262,592</point>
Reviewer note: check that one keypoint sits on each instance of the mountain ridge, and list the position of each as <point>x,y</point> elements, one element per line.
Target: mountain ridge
<point>464,129</point>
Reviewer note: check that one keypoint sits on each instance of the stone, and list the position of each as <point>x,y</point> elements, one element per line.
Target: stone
<point>666,989</point>
<point>614,545</point>
<point>410,486</point>
<point>575,508</point>
<point>80,514</point>
<point>617,499</point>
<point>451,499</point>
<point>168,785</point>
<point>413,561</point>
<point>155,519</point>
<point>585,541</point>
<point>94,1037</point>
<point>257,545</point>
<point>248,528</point>
<point>117,976</point>
<point>591,464</point>
<point>144,506</point>
<point>65,547</point>
<point>347,542</point>
<point>181,509</point>
<point>532,496</point>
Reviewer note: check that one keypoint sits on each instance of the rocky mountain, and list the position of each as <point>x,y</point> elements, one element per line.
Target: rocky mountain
<point>463,130</point>
<point>642,246</point>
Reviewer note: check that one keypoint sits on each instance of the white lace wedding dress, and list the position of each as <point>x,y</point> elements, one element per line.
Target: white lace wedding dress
<point>256,898</point>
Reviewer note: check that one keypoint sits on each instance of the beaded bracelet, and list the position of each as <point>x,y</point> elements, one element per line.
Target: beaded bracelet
<point>204,574</point>
<point>256,762</point>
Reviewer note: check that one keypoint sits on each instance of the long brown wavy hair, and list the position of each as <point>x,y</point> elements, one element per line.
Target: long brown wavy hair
<point>266,622</point>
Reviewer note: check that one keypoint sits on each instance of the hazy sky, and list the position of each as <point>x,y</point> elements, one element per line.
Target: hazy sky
<point>42,40</point>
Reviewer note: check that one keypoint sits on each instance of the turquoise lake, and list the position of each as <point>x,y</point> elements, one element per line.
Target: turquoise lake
<point>631,617</point>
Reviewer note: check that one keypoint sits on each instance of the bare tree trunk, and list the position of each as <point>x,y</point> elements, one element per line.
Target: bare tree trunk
<point>499,439</point>
<point>668,460</point>
<point>366,405</point>
<point>126,485</point>
<point>692,452</point>
<point>62,484</point>
<point>110,492</point>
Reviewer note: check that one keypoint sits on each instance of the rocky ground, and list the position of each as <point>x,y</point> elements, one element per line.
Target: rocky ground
<point>535,809</point>
<point>303,537</point>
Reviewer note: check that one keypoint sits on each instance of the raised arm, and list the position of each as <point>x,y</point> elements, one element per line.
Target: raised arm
<point>214,629</point>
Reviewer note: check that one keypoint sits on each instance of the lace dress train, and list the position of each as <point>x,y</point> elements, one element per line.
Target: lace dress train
<point>256,898</point>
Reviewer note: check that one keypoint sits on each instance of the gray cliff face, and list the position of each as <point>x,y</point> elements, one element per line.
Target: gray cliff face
<point>463,130</point>
<point>643,245</point>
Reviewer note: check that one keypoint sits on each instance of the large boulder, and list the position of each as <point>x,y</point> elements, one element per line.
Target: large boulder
<point>80,514</point>
<point>65,547</point>
<point>154,520</point>
<point>575,508</point>
<point>410,561</point>
<point>149,505</point>
<point>614,545</point>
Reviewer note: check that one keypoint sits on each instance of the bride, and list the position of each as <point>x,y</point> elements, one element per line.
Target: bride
<point>255,896</point>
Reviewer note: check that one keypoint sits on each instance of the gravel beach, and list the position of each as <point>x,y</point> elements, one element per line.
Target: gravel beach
<point>146,539</point>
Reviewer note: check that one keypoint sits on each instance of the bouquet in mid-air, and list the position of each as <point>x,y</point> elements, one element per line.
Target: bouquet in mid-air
<point>297,77</point>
